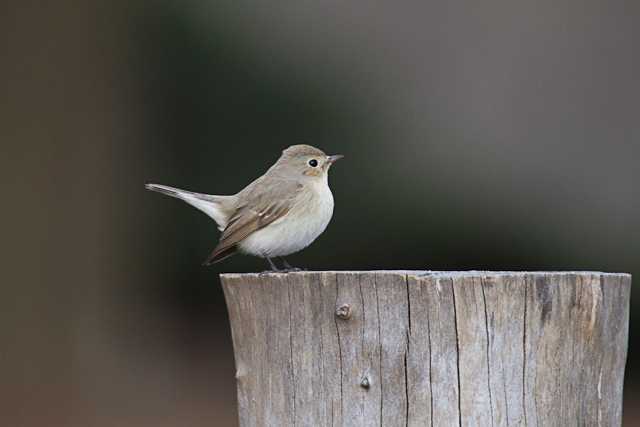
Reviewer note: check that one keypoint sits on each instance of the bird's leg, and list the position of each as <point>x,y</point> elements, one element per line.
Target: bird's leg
<point>272,265</point>
<point>289,267</point>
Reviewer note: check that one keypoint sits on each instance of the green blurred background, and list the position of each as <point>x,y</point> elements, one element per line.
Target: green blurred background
<point>477,135</point>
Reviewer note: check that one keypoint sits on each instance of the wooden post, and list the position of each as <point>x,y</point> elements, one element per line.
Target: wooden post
<point>396,348</point>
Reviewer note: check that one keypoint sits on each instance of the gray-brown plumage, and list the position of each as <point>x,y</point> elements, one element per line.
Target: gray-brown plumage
<point>279,213</point>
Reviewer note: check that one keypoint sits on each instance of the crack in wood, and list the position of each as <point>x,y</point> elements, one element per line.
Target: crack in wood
<point>486,327</point>
<point>408,349</point>
<point>322,368</point>
<point>335,320</point>
<point>293,369</point>
<point>365,381</point>
<point>406,390</point>
<point>406,281</point>
<point>430,367</point>
<point>524,353</point>
<point>375,287</point>
<point>455,323</point>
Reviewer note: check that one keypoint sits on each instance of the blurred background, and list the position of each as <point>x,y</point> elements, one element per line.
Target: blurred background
<point>477,135</point>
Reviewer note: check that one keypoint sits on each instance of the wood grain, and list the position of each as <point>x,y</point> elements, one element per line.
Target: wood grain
<point>396,348</point>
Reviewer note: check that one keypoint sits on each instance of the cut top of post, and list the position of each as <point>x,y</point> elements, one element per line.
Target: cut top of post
<point>432,273</point>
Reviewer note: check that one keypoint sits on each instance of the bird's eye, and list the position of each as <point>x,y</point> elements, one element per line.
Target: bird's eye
<point>313,163</point>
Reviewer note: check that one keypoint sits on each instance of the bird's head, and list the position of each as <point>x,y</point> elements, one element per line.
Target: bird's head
<point>307,161</point>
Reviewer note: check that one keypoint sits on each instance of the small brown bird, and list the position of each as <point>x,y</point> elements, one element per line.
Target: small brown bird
<point>280,213</point>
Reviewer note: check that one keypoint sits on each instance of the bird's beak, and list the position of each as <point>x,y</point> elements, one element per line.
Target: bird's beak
<point>332,159</point>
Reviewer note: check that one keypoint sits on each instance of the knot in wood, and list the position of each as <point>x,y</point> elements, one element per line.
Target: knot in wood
<point>365,383</point>
<point>344,311</point>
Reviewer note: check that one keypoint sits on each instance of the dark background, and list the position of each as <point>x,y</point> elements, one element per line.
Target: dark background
<point>477,135</point>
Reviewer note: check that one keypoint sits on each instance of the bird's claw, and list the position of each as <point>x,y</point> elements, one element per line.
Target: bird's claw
<point>283,271</point>
<point>266,272</point>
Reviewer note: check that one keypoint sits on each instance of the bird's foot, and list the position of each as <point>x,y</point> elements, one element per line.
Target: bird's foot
<point>274,268</point>
<point>267,272</point>
<point>282,270</point>
<point>292,270</point>
<point>288,268</point>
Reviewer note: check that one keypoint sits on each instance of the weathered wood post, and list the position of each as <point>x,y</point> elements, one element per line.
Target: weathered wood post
<point>396,348</point>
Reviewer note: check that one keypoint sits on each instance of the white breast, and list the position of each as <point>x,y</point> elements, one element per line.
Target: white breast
<point>296,230</point>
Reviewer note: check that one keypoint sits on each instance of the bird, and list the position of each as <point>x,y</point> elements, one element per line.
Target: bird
<point>280,213</point>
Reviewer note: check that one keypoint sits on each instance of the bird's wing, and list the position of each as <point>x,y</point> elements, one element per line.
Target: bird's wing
<point>263,202</point>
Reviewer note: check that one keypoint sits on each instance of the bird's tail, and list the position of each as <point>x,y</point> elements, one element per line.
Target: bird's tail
<point>219,208</point>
